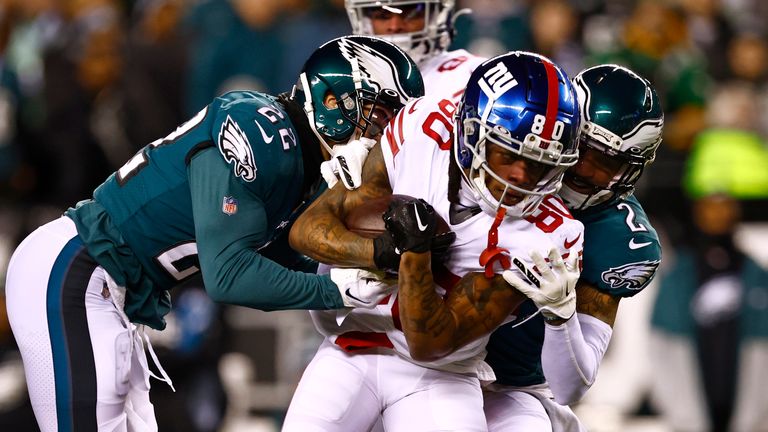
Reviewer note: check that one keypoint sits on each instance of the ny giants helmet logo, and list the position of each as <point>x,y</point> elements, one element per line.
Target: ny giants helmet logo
<point>234,146</point>
<point>633,276</point>
<point>496,81</point>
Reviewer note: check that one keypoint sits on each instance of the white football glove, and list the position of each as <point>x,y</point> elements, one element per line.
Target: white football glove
<point>346,163</point>
<point>553,287</point>
<point>361,288</point>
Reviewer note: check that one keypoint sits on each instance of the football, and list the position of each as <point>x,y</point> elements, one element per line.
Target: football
<point>366,220</point>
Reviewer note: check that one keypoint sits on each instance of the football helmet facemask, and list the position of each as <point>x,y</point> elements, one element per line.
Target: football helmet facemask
<point>366,76</point>
<point>420,45</point>
<point>525,104</point>
<point>622,118</point>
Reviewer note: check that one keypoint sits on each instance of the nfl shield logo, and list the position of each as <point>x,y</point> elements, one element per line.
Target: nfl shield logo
<point>229,206</point>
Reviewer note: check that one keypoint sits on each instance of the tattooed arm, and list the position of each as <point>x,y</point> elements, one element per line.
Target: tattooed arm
<point>320,232</point>
<point>435,327</point>
<point>592,302</point>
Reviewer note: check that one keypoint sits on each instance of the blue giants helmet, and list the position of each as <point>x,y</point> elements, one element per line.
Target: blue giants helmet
<point>525,104</point>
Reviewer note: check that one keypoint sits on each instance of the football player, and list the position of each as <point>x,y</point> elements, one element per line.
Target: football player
<point>546,356</point>
<point>489,167</point>
<point>423,29</point>
<point>214,196</point>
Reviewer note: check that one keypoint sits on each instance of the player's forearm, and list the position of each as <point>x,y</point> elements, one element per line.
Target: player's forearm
<point>436,326</point>
<point>320,234</point>
<point>429,325</point>
<point>249,279</point>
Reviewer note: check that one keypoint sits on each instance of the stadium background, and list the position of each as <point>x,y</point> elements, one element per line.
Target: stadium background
<point>85,83</point>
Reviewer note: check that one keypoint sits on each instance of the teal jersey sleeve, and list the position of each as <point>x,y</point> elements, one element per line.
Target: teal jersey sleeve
<point>232,224</point>
<point>621,248</point>
<point>206,197</point>
<point>245,203</point>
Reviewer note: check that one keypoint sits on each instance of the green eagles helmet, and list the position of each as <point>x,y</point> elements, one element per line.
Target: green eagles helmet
<point>622,118</point>
<point>358,71</point>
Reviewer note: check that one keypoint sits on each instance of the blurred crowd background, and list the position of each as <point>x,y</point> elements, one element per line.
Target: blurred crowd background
<point>84,84</point>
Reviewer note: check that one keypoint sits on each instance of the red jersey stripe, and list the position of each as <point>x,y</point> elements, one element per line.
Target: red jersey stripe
<point>357,340</point>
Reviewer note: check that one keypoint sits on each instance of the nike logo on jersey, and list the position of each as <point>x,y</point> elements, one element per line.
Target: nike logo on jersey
<point>634,245</point>
<point>349,294</point>
<point>569,244</point>
<point>267,138</point>
<point>412,109</point>
<point>422,226</point>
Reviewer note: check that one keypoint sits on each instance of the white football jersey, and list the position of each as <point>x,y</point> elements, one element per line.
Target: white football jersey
<point>416,152</point>
<point>448,72</point>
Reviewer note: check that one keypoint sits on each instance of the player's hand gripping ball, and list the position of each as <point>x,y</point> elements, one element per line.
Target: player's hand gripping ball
<point>367,220</point>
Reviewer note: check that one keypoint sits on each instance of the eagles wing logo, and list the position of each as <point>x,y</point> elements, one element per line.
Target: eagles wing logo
<point>632,276</point>
<point>375,67</point>
<point>234,146</point>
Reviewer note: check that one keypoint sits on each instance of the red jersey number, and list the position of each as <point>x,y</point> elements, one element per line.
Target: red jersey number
<point>447,108</point>
<point>549,215</point>
<point>452,64</point>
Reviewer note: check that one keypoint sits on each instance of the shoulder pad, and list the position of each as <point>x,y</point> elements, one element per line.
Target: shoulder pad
<point>621,248</point>
<point>249,128</point>
<point>426,120</point>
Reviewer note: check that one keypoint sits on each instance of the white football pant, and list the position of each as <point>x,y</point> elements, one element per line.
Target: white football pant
<point>512,409</point>
<point>85,364</point>
<point>349,392</point>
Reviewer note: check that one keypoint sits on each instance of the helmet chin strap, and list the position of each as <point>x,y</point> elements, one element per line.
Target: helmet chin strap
<point>310,110</point>
<point>579,201</point>
<point>491,205</point>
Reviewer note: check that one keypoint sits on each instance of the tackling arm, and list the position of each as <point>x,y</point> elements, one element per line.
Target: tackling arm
<point>434,326</point>
<point>572,351</point>
<point>228,245</point>
<point>320,232</point>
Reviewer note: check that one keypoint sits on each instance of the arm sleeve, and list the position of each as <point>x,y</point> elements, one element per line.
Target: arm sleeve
<point>571,356</point>
<point>233,270</point>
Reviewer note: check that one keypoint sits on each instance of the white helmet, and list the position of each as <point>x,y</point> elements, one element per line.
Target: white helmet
<point>421,45</point>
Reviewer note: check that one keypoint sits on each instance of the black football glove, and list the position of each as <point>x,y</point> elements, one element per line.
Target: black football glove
<point>385,255</point>
<point>412,223</point>
<point>386,258</point>
<point>440,246</point>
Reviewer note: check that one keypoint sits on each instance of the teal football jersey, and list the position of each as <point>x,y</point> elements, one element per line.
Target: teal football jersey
<point>621,255</point>
<point>621,248</point>
<point>208,196</point>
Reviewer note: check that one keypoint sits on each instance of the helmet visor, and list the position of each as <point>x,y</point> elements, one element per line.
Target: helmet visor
<point>408,12</point>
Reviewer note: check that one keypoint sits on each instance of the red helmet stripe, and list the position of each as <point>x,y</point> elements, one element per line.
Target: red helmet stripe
<point>553,100</point>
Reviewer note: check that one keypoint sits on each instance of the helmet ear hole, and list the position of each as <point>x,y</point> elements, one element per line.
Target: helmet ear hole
<point>330,101</point>
<point>390,99</point>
